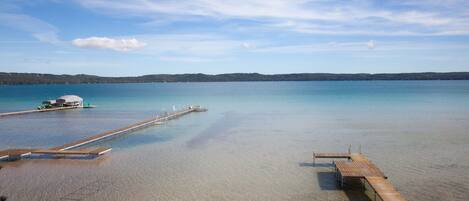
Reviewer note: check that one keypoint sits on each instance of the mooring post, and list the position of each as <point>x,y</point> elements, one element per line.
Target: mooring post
<point>314,159</point>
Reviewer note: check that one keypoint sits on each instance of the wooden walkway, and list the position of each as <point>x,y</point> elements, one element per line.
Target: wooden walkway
<point>358,169</point>
<point>43,110</point>
<point>384,189</point>
<point>358,166</point>
<point>97,151</point>
<point>130,128</point>
<point>13,154</point>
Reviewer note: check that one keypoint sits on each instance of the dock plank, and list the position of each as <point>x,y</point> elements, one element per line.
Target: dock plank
<point>384,189</point>
<point>358,169</point>
<point>331,155</point>
<point>97,151</point>
<point>359,157</point>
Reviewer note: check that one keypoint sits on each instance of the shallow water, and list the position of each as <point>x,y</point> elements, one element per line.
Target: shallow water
<point>254,143</point>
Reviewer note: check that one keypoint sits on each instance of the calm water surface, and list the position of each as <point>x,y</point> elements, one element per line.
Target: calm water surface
<point>254,143</point>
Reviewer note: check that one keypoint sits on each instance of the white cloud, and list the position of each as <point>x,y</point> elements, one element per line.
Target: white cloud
<point>371,44</point>
<point>248,45</point>
<point>109,43</point>
<point>171,47</point>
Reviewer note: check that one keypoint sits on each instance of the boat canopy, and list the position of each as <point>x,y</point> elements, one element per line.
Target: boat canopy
<point>70,100</point>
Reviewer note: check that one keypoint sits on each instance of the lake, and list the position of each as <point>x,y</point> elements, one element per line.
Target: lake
<point>254,143</point>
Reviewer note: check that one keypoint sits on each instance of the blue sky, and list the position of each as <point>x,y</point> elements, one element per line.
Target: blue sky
<point>136,37</point>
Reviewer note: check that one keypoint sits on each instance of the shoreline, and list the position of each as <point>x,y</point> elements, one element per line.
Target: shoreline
<point>36,78</point>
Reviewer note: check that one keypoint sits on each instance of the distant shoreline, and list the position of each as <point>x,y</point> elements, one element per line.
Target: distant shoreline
<point>36,78</point>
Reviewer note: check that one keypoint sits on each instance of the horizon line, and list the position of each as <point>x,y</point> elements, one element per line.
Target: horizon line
<point>241,73</point>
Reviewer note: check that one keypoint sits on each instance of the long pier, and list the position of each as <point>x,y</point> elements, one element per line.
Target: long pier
<point>133,127</point>
<point>13,154</point>
<point>43,110</point>
<point>357,166</point>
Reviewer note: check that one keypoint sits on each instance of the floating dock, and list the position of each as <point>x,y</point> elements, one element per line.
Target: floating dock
<point>357,166</point>
<point>43,110</point>
<point>14,154</point>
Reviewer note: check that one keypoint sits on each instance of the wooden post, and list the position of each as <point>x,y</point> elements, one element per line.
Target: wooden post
<point>363,184</point>
<point>341,181</point>
<point>314,159</point>
<point>335,174</point>
<point>337,178</point>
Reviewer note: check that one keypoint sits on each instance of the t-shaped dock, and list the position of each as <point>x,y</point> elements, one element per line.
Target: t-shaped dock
<point>359,167</point>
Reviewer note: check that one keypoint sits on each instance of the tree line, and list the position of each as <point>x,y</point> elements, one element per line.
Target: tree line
<point>36,78</point>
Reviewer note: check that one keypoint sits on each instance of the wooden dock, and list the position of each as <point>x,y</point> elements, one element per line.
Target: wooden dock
<point>98,151</point>
<point>357,166</point>
<point>130,128</point>
<point>43,110</point>
<point>14,154</point>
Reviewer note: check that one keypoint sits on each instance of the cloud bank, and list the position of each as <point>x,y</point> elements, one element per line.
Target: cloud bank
<point>122,45</point>
<point>355,17</point>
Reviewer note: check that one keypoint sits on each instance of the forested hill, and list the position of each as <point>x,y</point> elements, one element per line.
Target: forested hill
<point>34,78</point>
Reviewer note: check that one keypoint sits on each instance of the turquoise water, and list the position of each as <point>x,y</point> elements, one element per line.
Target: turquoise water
<point>254,143</point>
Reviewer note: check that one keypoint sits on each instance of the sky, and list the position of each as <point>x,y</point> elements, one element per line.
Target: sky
<point>138,37</point>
